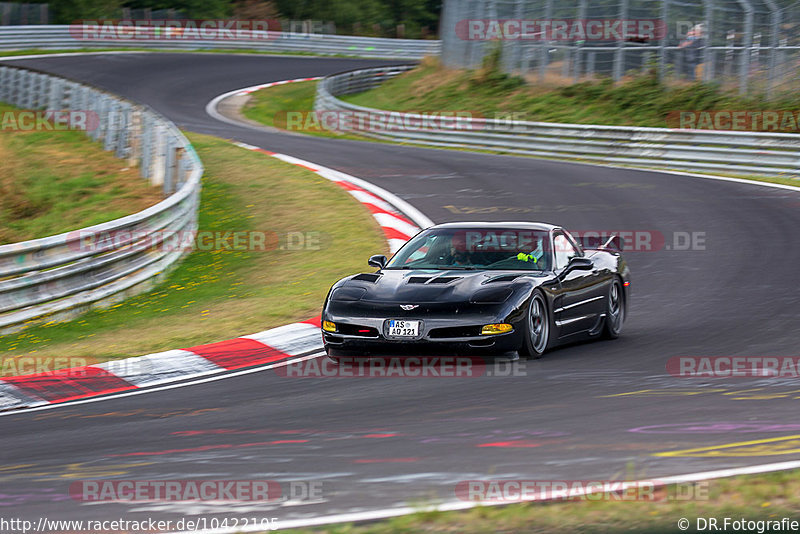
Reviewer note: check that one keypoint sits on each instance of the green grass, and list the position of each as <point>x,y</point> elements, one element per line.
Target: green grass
<point>637,101</point>
<point>765,497</point>
<point>216,295</point>
<point>270,107</point>
<point>57,181</point>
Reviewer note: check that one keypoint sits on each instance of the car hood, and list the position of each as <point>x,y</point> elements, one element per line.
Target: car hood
<point>428,286</point>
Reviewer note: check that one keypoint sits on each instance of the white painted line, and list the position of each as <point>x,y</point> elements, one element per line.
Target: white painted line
<point>369,198</point>
<point>67,54</point>
<point>450,506</point>
<point>296,161</point>
<point>211,107</point>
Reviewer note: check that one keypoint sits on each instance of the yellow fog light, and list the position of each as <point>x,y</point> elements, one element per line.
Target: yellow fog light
<point>497,328</point>
<point>328,326</point>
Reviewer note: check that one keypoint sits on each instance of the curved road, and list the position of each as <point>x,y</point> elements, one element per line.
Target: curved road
<point>377,443</point>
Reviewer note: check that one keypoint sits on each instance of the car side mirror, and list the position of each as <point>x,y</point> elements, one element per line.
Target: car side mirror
<point>378,261</point>
<point>579,263</point>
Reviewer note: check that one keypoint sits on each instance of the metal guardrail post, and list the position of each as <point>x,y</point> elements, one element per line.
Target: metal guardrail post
<point>744,59</point>
<point>169,164</point>
<point>544,48</point>
<point>147,147</point>
<point>708,6</point>
<point>775,26</point>
<point>619,55</point>
<point>112,125</point>
<point>662,44</point>
<point>576,63</point>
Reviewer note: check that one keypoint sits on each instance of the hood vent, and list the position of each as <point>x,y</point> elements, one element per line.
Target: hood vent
<point>503,278</point>
<point>366,277</point>
<point>432,280</point>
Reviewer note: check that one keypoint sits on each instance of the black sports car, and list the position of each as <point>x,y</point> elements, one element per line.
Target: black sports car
<point>480,287</point>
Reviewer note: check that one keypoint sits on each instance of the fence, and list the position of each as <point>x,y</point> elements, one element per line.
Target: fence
<point>65,37</point>
<point>750,44</point>
<point>63,275</point>
<point>741,153</point>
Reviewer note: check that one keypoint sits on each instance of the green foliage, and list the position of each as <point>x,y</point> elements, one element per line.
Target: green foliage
<point>70,11</point>
<point>639,101</point>
<point>420,18</point>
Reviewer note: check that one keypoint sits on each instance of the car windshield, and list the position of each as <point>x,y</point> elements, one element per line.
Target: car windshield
<point>475,248</point>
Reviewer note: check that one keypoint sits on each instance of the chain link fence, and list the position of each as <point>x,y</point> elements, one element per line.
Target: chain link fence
<point>749,45</point>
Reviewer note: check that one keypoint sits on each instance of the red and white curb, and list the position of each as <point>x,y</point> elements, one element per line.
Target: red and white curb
<point>264,348</point>
<point>399,221</point>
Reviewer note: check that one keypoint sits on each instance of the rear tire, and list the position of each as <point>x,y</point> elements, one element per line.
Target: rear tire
<point>537,328</point>
<point>615,310</point>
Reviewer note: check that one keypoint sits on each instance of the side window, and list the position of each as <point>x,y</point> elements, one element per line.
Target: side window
<point>564,251</point>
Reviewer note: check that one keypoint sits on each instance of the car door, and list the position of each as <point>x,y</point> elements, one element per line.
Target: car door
<point>580,300</point>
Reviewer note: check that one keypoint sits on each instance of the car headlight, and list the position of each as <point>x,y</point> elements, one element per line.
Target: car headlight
<point>328,326</point>
<point>348,294</point>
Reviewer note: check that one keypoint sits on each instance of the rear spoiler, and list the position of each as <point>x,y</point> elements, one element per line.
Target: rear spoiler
<point>595,242</point>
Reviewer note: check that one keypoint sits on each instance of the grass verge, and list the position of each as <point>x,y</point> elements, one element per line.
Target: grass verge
<point>220,294</point>
<point>768,497</point>
<point>636,101</point>
<point>270,107</point>
<point>56,181</point>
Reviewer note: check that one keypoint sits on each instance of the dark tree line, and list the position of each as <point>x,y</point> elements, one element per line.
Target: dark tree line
<point>389,18</point>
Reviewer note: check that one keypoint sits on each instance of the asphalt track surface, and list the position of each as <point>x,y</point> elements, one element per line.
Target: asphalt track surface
<point>378,443</point>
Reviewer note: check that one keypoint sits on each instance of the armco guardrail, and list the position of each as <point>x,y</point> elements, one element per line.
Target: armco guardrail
<point>62,275</point>
<point>65,37</point>
<point>743,153</point>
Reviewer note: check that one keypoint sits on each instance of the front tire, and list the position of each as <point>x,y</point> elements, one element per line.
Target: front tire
<point>615,310</point>
<point>537,328</point>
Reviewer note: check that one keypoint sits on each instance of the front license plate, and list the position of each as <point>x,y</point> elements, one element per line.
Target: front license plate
<point>403,328</point>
